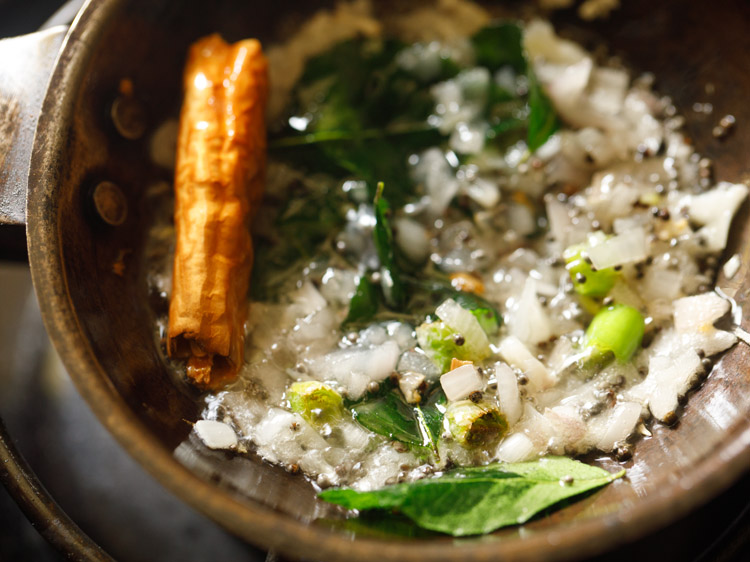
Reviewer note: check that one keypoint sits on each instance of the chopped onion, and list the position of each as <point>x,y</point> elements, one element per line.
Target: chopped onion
<point>215,434</point>
<point>526,318</point>
<point>355,368</point>
<point>461,382</point>
<point>628,247</point>
<point>409,384</point>
<point>673,380</point>
<point>308,300</point>
<point>483,191</point>
<point>724,198</point>
<point>412,238</point>
<point>541,41</point>
<point>507,393</point>
<point>732,266</point>
<point>338,285</point>
<point>402,334</point>
<point>620,424</point>
<point>660,283</point>
<point>435,173</point>
<point>710,341</point>
<point>417,362</point>
<point>608,87</point>
<point>468,138</point>
<point>693,314</point>
<point>517,354</point>
<point>463,322</point>
<point>565,85</point>
<point>715,210</point>
<point>515,448</point>
<point>537,427</point>
<point>569,426</point>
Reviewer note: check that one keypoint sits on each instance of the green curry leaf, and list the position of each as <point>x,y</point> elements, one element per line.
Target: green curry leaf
<point>500,45</point>
<point>364,304</point>
<point>476,500</point>
<point>543,121</point>
<point>388,414</point>
<point>390,275</point>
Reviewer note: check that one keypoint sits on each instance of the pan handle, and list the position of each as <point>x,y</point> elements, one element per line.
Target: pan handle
<point>26,64</point>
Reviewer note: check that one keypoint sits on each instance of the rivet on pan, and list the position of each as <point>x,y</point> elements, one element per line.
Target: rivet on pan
<point>129,117</point>
<point>110,203</point>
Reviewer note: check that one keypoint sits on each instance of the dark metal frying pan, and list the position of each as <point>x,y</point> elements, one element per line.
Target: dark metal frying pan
<point>101,322</point>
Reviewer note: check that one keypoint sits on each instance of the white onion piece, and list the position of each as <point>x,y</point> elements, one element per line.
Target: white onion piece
<point>521,219</point>
<point>537,428</point>
<point>671,380</point>
<point>715,234</point>
<point>412,238</point>
<point>215,434</point>
<point>507,393</point>
<point>402,334</point>
<point>436,174</point>
<point>699,312</point>
<point>307,299</point>
<point>608,87</point>
<point>409,384</point>
<point>526,318</point>
<point>517,354</point>
<point>628,247</point>
<point>356,437</point>
<point>565,85</point>
<point>661,284</point>
<point>355,368</point>
<point>483,191</point>
<point>638,125</point>
<point>710,341</point>
<point>417,362</point>
<point>540,41</point>
<point>595,144</point>
<point>559,220</point>
<point>373,335</point>
<point>569,426</point>
<point>461,382</point>
<point>463,322</point>
<point>724,198</point>
<point>338,285</point>
<point>516,448</point>
<point>715,210</point>
<point>732,266</point>
<point>468,138</point>
<point>278,442</point>
<point>621,423</point>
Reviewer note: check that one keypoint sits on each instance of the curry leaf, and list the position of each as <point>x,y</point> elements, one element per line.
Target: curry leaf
<point>500,45</point>
<point>476,500</point>
<point>390,277</point>
<point>485,312</point>
<point>364,303</point>
<point>364,116</point>
<point>543,121</point>
<point>389,415</point>
<point>432,412</point>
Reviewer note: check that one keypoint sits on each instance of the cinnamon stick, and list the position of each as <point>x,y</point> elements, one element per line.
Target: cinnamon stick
<point>219,175</point>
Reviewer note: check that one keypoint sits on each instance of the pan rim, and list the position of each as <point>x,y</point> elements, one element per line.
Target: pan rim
<point>253,521</point>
